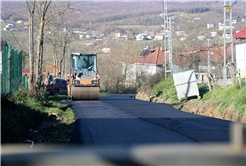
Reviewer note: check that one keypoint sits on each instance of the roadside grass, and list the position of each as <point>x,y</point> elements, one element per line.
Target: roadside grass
<point>167,90</point>
<point>232,96</point>
<point>26,111</point>
<point>57,98</point>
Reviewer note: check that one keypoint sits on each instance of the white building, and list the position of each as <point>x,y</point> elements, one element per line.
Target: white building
<point>159,37</point>
<point>182,38</point>
<point>210,25</point>
<point>148,63</point>
<point>180,33</point>
<point>11,25</point>
<point>241,57</point>
<point>221,23</point>
<point>19,22</point>
<point>141,37</point>
<point>234,21</point>
<point>227,27</point>
<point>117,35</point>
<point>201,37</point>
<point>214,33</point>
<point>89,36</point>
<point>106,50</point>
<point>197,19</point>
<point>227,35</point>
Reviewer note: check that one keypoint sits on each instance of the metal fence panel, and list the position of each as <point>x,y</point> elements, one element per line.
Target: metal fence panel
<point>11,76</point>
<point>4,76</point>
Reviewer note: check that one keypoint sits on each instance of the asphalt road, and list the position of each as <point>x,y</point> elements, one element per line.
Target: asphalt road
<point>122,120</point>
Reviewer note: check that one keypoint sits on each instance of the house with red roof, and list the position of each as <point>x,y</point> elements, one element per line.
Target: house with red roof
<point>241,35</point>
<point>141,37</point>
<point>117,35</point>
<point>106,50</point>
<point>144,65</point>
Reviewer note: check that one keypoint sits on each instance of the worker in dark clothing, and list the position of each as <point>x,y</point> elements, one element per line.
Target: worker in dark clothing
<point>91,66</point>
<point>85,64</point>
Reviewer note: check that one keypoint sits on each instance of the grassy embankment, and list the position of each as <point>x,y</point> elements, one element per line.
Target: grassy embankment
<point>24,113</point>
<point>223,99</point>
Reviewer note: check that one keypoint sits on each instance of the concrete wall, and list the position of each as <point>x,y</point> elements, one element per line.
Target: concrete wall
<point>138,70</point>
<point>241,58</point>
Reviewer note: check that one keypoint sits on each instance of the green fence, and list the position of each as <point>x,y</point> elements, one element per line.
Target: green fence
<point>11,76</point>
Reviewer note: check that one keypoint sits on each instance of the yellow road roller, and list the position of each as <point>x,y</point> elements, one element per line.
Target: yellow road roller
<point>83,79</point>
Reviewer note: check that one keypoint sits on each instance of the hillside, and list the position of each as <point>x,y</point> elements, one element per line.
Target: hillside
<point>102,10</point>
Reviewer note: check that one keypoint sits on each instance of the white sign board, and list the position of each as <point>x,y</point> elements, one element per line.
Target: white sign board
<point>186,84</point>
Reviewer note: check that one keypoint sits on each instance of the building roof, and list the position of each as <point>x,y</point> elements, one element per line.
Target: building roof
<point>154,56</point>
<point>25,70</point>
<point>240,34</point>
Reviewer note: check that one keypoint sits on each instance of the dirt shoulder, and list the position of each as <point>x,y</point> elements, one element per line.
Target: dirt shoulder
<point>196,106</point>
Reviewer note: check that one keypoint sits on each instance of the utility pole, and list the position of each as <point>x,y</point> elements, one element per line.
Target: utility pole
<point>208,57</point>
<point>227,8</point>
<point>30,54</point>
<point>170,43</point>
<point>66,65</point>
<point>167,34</point>
<point>165,16</point>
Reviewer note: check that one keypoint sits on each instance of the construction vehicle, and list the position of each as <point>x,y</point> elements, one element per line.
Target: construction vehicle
<point>83,79</point>
<point>53,83</point>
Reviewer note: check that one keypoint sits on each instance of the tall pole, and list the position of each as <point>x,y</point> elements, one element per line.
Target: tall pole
<point>166,34</point>
<point>225,72</point>
<point>208,57</point>
<point>165,46</point>
<point>30,55</point>
<point>66,65</point>
<point>227,8</point>
<point>232,58</point>
<point>170,42</point>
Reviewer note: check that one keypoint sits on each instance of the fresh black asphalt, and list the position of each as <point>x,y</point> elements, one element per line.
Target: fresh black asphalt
<point>122,120</point>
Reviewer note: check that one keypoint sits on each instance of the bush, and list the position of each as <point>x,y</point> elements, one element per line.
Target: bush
<point>17,117</point>
<point>155,79</point>
<point>26,110</point>
<point>167,90</point>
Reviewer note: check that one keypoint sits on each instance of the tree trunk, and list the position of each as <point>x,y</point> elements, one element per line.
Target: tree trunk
<point>55,57</point>
<point>31,76</point>
<point>31,10</point>
<point>39,57</point>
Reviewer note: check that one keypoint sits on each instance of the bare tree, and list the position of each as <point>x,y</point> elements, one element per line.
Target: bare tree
<point>44,18</point>
<point>192,29</point>
<point>190,41</point>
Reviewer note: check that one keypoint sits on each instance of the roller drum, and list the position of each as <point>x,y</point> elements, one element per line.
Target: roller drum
<point>85,93</point>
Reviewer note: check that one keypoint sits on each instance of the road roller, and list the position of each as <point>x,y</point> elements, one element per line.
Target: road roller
<point>83,79</point>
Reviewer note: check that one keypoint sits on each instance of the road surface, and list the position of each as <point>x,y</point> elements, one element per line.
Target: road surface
<point>122,120</point>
